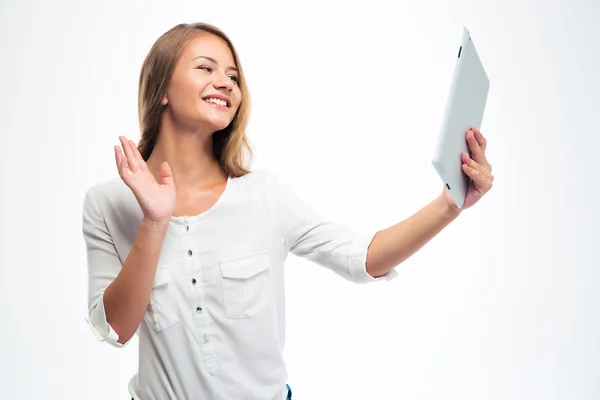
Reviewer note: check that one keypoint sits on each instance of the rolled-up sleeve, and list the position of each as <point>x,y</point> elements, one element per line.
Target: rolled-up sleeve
<point>103,267</point>
<point>358,261</point>
<point>312,236</point>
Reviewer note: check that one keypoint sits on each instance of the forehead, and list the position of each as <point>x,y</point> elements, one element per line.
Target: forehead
<point>206,44</point>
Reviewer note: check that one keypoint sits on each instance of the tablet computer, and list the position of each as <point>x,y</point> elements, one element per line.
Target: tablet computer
<point>464,110</point>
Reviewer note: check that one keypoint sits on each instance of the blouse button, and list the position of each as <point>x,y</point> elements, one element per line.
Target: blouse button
<point>189,252</point>
<point>193,281</point>
<point>187,227</point>
<point>199,310</point>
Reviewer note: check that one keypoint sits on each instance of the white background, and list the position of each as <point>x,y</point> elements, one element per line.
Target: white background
<point>348,97</point>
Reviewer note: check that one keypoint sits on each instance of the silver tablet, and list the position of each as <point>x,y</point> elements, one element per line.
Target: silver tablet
<point>464,109</point>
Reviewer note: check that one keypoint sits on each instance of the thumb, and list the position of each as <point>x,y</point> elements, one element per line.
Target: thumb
<point>166,174</point>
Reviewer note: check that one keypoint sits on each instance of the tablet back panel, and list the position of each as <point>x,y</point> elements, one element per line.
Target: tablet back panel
<point>464,109</point>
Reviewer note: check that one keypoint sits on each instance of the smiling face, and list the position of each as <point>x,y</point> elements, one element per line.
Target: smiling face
<point>203,91</point>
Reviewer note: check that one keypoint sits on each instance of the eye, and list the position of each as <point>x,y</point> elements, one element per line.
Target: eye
<point>234,78</point>
<point>205,68</point>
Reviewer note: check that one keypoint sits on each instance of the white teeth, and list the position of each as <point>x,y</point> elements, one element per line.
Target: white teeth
<point>216,101</point>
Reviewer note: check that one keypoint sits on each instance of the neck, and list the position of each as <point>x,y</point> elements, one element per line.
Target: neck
<point>189,153</point>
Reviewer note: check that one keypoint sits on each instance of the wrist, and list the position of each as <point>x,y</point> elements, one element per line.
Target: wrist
<point>155,225</point>
<point>448,210</point>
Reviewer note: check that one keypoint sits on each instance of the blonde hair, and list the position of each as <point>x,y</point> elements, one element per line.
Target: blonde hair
<point>229,143</point>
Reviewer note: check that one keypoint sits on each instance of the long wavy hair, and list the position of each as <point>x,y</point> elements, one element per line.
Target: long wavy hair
<point>230,143</point>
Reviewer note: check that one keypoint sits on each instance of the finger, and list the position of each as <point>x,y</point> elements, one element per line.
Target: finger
<point>480,139</point>
<point>473,145</point>
<point>121,162</point>
<point>475,165</point>
<point>482,183</point>
<point>131,161</point>
<point>134,158</point>
<point>118,158</point>
<point>166,174</point>
<point>124,162</point>
<point>477,152</point>
<point>140,160</point>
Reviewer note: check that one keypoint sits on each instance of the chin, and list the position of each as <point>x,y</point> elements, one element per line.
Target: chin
<point>219,124</point>
<point>216,120</point>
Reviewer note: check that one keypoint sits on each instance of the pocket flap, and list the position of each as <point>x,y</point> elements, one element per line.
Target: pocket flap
<point>161,278</point>
<point>245,267</point>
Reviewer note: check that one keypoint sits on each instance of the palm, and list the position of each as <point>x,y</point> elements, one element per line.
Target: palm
<point>157,200</point>
<point>473,196</point>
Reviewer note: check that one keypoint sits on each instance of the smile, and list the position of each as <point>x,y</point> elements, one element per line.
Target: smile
<point>216,102</point>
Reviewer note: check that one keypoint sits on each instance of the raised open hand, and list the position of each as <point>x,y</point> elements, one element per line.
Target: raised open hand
<point>157,200</point>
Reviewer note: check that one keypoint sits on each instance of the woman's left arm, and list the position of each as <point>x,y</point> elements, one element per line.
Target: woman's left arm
<point>395,244</point>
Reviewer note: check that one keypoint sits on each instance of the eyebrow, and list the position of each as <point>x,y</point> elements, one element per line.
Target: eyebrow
<point>215,62</point>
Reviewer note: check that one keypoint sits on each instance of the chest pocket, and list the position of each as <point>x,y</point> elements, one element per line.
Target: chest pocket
<point>161,313</point>
<point>246,284</point>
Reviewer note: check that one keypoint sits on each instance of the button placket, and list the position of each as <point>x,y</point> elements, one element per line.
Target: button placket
<point>195,290</point>
<point>193,266</point>
<point>201,315</point>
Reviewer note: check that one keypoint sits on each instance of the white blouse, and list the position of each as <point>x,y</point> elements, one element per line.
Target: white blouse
<point>215,324</point>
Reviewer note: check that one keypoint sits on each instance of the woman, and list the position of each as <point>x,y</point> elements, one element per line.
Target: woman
<point>187,247</point>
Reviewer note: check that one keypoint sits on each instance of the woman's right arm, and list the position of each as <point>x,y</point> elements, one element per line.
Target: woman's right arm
<point>126,298</point>
<point>119,294</point>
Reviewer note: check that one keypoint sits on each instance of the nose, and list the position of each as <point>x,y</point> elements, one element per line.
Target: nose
<point>223,83</point>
